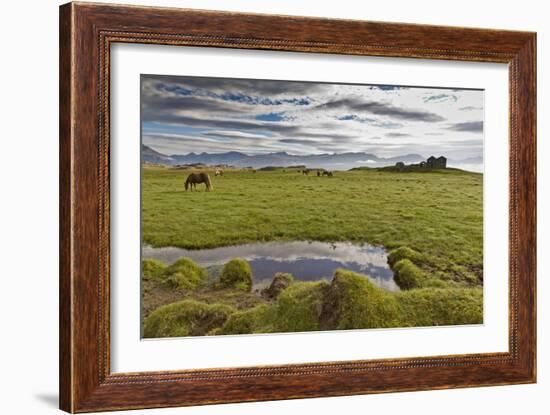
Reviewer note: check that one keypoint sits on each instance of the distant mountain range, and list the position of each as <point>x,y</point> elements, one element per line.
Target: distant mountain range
<point>341,161</point>
<point>152,156</point>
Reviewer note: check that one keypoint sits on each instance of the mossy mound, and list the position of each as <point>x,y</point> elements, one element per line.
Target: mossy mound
<point>185,318</point>
<point>237,274</point>
<point>280,282</point>
<point>404,252</point>
<point>238,299</point>
<point>299,307</point>
<point>152,269</point>
<point>355,302</point>
<point>258,319</point>
<point>349,301</point>
<point>407,275</point>
<point>437,306</point>
<point>185,274</point>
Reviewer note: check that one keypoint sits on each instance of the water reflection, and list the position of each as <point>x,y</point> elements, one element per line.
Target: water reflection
<point>307,261</point>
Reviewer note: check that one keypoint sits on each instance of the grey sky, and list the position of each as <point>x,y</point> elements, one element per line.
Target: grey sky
<point>189,114</point>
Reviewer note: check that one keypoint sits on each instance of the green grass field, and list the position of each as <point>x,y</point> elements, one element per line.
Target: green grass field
<point>431,223</point>
<point>438,213</point>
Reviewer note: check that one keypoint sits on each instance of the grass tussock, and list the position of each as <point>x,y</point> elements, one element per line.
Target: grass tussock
<point>152,269</point>
<point>259,319</point>
<point>185,274</point>
<point>184,279</point>
<point>440,306</point>
<point>355,302</point>
<point>404,252</point>
<point>237,274</point>
<point>349,301</point>
<point>185,318</point>
<point>299,307</point>
<point>280,282</point>
<point>407,275</point>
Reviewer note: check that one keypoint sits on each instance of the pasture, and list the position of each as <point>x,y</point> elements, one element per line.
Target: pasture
<point>437,213</point>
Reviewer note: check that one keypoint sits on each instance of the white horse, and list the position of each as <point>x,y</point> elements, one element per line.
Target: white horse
<point>219,172</point>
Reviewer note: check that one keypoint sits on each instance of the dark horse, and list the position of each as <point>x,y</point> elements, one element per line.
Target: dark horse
<point>195,178</point>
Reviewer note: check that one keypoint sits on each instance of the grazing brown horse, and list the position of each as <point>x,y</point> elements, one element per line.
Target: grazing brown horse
<point>327,173</point>
<point>305,172</point>
<point>195,178</point>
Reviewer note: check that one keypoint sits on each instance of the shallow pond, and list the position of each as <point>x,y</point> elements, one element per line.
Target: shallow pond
<point>306,261</point>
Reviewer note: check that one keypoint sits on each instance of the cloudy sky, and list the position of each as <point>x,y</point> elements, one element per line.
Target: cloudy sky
<point>191,114</point>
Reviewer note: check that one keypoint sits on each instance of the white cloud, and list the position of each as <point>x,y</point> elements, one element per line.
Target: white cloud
<point>261,116</point>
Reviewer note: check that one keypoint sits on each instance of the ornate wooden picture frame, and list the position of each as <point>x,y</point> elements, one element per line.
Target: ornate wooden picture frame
<point>87,32</point>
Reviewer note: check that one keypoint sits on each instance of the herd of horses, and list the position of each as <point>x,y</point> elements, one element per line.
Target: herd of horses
<point>197,178</point>
<point>319,172</point>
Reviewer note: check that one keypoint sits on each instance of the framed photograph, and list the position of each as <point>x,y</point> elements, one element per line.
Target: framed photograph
<point>260,207</point>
